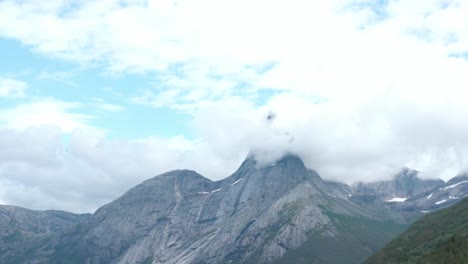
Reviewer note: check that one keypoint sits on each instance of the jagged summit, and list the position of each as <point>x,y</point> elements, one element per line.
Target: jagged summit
<point>290,160</point>
<point>406,174</point>
<point>176,174</point>
<point>252,157</point>
<point>402,186</point>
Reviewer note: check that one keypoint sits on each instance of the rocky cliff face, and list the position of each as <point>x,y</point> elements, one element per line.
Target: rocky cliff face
<point>260,214</point>
<point>410,196</point>
<point>404,185</point>
<point>432,200</point>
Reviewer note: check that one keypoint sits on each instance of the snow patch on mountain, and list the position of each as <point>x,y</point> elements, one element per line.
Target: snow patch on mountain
<point>455,185</point>
<point>397,200</point>
<point>234,183</point>
<point>441,201</point>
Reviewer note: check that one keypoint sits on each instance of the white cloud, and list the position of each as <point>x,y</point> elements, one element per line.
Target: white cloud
<point>44,112</point>
<point>344,140</point>
<point>110,107</point>
<point>59,76</point>
<point>209,50</point>
<point>12,88</point>
<point>41,169</point>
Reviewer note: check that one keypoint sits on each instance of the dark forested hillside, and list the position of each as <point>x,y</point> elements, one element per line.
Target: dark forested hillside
<point>440,237</point>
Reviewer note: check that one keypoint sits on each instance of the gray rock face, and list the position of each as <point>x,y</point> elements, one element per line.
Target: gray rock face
<point>404,185</point>
<point>445,195</point>
<point>410,196</point>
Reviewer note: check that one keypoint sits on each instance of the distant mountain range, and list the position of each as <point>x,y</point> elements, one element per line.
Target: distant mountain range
<point>276,213</point>
<point>19,225</point>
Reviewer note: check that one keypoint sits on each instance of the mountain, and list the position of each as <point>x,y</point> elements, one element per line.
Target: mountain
<point>410,196</point>
<point>439,237</point>
<point>443,196</point>
<point>276,213</point>
<point>18,225</point>
<point>403,185</point>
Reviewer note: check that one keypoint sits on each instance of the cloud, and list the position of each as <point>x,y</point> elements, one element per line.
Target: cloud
<point>59,76</point>
<point>42,169</point>
<point>344,140</point>
<point>10,88</point>
<point>110,107</point>
<point>203,52</point>
<point>44,112</point>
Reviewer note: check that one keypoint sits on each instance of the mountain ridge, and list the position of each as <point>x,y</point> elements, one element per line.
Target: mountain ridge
<point>269,213</point>
<point>258,213</point>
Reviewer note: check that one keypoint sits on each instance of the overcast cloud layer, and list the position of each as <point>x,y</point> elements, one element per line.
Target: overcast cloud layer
<point>358,89</point>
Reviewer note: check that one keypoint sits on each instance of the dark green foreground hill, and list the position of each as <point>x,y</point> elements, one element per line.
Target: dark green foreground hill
<point>440,237</point>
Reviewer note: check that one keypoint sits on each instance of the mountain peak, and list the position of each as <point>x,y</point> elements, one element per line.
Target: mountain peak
<point>288,165</point>
<point>290,158</point>
<point>254,160</point>
<point>407,174</point>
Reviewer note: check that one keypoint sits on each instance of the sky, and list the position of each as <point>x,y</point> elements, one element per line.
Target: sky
<point>97,96</point>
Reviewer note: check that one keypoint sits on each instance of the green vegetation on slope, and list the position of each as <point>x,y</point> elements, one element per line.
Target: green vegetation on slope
<point>440,237</point>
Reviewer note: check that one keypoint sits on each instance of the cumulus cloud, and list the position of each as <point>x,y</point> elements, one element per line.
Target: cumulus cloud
<point>204,51</point>
<point>11,88</point>
<point>345,141</point>
<point>44,111</point>
<point>342,140</point>
<point>40,168</point>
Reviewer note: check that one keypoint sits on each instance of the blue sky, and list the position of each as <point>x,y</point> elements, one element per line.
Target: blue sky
<point>103,97</point>
<point>96,96</point>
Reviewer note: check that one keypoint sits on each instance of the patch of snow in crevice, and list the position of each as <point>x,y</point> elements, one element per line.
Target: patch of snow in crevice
<point>237,181</point>
<point>425,212</point>
<point>455,185</point>
<point>441,201</point>
<point>397,200</point>
<point>217,190</point>
<point>273,164</point>
<point>429,196</point>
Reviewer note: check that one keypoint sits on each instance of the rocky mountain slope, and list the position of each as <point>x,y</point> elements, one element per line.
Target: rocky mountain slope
<point>18,225</point>
<point>432,200</point>
<point>440,237</point>
<point>410,196</point>
<point>280,213</point>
